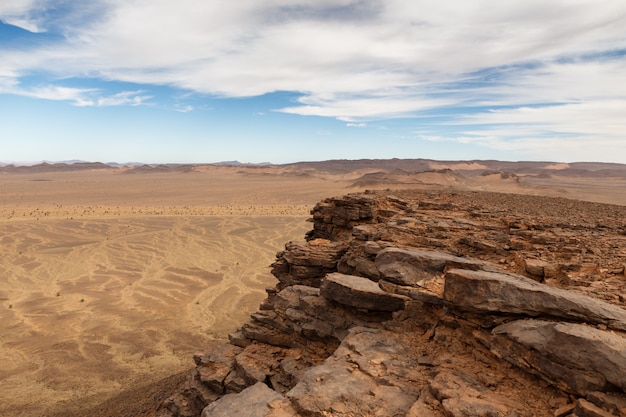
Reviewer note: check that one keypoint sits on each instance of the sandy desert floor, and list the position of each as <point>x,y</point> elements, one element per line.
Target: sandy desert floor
<point>110,281</point>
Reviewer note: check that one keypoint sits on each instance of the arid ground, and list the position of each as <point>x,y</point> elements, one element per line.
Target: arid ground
<point>111,278</point>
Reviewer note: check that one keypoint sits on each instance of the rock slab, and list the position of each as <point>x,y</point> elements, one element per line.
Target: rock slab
<point>409,266</point>
<point>360,292</point>
<point>509,293</point>
<point>580,355</point>
<point>370,374</point>
<point>254,401</point>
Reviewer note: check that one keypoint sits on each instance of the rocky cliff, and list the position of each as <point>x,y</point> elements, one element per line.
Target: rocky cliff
<point>432,304</point>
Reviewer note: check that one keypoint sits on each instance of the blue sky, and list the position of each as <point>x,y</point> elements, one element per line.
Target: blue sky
<point>292,80</point>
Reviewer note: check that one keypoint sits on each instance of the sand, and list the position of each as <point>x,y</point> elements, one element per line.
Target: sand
<point>110,280</point>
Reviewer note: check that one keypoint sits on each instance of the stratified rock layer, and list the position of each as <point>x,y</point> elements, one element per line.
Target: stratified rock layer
<point>432,304</point>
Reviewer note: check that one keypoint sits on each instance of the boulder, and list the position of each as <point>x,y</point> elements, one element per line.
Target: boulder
<point>369,374</point>
<point>431,292</point>
<point>214,366</point>
<point>409,266</point>
<point>580,358</point>
<point>255,401</point>
<point>463,396</point>
<point>306,263</point>
<point>360,292</point>
<point>585,408</point>
<point>508,293</point>
<point>254,363</point>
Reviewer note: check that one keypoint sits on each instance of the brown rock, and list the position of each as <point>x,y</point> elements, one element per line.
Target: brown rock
<point>462,396</point>
<point>508,293</point>
<point>408,266</point>
<point>612,401</point>
<point>214,366</point>
<point>360,293</point>
<point>306,263</point>
<point>430,293</point>
<point>535,267</point>
<point>580,356</point>
<point>255,361</point>
<point>420,409</point>
<point>369,375</point>
<point>564,410</point>
<point>586,409</point>
<point>251,402</point>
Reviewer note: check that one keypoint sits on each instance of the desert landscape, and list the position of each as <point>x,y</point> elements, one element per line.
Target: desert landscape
<point>111,277</point>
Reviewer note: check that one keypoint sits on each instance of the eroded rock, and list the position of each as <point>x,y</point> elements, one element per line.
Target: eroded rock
<point>408,266</point>
<point>471,333</point>
<point>253,401</point>
<point>463,396</point>
<point>369,374</point>
<point>360,292</point>
<point>508,293</point>
<point>582,357</point>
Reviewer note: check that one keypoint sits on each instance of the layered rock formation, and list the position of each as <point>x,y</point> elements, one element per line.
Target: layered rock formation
<point>432,304</point>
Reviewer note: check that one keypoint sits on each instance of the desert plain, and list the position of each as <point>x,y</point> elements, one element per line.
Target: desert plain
<point>111,277</point>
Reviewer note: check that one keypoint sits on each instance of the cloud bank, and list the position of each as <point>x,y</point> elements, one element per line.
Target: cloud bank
<point>515,74</point>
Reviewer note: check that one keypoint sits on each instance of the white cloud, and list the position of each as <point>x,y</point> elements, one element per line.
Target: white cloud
<point>250,47</point>
<point>81,97</point>
<point>569,132</point>
<point>356,60</point>
<point>52,92</point>
<point>18,13</point>
<point>130,98</point>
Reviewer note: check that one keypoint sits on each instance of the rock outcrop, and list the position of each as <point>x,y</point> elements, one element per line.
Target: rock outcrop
<point>432,304</point>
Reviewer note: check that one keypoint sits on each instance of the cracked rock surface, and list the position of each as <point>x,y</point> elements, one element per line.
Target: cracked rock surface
<point>432,304</point>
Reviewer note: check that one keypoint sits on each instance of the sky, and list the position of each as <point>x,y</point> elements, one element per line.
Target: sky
<point>192,81</point>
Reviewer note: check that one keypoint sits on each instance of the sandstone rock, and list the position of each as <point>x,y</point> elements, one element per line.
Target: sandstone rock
<point>235,382</point>
<point>306,263</point>
<point>431,292</point>
<point>368,375</point>
<point>309,314</point>
<point>265,333</point>
<point>482,246</point>
<point>564,410</point>
<point>214,366</point>
<point>189,401</point>
<point>365,232</point>
<point>580,357</point>
<point>331,356</point>
<point>360,293</point>
<point>334,218</point>
<point>613,401</point>
<point>251,402</point>
<point>255,361</point>
<point>586,409</point>
<point>408,266</point>
<point>535,267</point>
<point>463,396</point>
<point>420,409</point>
<point>237,338</point>
<point>508,293</point>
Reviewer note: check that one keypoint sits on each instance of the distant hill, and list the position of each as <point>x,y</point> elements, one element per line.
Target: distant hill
<point>364,170</point>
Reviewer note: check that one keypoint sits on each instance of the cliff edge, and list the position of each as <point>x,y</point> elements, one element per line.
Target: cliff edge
<point>432,304</point>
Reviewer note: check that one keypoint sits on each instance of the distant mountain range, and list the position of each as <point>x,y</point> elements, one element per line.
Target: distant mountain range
<point>342,166</point>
